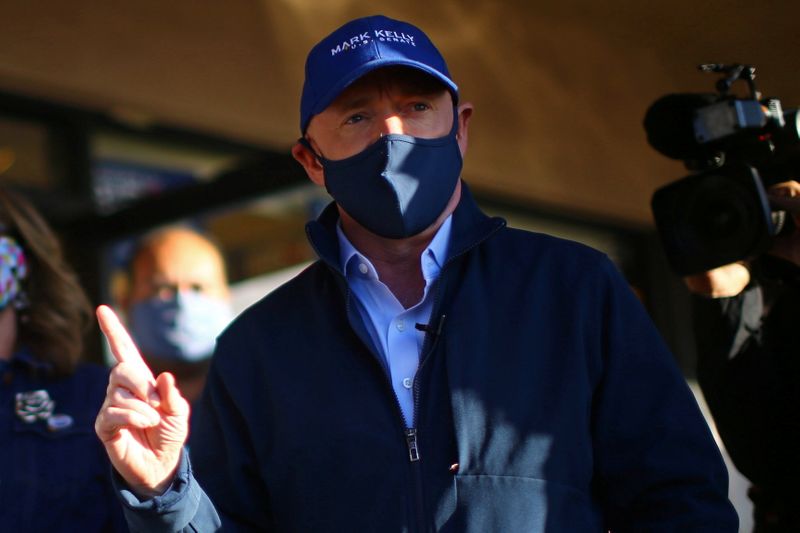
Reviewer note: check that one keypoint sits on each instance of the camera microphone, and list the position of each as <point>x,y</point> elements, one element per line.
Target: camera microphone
<point>669,124</point>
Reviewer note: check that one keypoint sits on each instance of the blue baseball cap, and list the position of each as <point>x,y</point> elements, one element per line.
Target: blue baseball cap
<point>361,46</point>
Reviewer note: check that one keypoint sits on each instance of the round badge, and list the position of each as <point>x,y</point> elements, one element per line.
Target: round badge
<point>59,422</point>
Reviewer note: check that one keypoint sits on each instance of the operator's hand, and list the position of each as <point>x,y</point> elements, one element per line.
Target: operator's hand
<point>786,196</point>
<point>730,280</point>
<point>722,282</point>
<point>144,421</point>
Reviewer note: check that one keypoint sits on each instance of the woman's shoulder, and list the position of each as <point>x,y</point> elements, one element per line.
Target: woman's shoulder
<point>85,385</point>
<point>91,372</point>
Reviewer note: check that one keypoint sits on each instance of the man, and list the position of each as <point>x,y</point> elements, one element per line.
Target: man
<point>435,370</point>
<point>177,302</point>
<point>745,318</point>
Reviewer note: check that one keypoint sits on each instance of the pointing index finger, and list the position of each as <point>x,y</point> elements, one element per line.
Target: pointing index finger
<point>122,346</point>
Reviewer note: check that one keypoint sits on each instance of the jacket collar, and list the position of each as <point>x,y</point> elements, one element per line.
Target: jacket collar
<point>23,360</point>
<point>470,226</point>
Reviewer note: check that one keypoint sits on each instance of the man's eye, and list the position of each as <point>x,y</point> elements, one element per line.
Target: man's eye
<point>421,106</point>
<point>166,292</point>
<point>354,119</point>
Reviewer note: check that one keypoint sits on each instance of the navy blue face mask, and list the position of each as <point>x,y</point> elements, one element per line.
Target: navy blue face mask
<point>399,185</point>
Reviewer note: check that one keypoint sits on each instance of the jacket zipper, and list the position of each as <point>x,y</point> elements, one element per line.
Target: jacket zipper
<point>411,432</point>
<point>411,441</point>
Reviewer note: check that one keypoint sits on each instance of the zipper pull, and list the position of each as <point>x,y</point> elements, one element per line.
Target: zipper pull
<point>411,441</point>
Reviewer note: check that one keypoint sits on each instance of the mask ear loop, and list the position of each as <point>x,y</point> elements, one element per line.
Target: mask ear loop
<point>305,143</point>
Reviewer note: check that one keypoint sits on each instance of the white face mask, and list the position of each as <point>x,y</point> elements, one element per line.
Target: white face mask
<point>13,269</point>
<point>183,328</point>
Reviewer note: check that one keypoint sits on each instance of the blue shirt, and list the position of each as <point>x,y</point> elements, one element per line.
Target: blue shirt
<point>391,326</point>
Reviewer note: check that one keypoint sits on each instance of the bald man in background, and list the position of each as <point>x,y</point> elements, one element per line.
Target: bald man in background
<point>177,302</point>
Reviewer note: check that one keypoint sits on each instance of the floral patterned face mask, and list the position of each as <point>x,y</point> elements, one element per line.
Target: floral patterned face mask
<point>13,269</point>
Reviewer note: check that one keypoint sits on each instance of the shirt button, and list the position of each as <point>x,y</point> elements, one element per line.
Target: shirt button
<point>363,268</point>
<point>401,326</point>
<point>408,382</point>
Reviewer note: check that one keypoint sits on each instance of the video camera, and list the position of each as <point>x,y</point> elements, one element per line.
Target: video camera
<point>736,147</point>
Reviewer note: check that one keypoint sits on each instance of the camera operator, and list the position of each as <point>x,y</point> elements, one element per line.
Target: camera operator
<point>745,318</point>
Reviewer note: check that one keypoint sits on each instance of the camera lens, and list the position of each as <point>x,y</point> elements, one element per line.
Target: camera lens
<point>718,212</point>
<point>712,219</point>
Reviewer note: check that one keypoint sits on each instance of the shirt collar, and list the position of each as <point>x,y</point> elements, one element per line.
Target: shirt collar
<point>350,258</point>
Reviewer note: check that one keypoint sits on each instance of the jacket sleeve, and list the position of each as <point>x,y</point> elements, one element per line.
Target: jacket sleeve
<point>183,507</point>
<point>657,465</point>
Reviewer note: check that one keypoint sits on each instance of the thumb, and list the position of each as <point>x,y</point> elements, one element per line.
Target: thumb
<point>172,402</point>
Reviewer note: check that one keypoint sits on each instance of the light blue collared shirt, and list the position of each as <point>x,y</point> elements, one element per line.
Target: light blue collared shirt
<point>393,328</point>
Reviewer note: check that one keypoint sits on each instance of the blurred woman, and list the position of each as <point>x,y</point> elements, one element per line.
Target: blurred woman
<point>54,474</point>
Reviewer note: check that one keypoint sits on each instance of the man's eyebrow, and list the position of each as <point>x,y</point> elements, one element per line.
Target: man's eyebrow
<point>160,279</point>
<point>348,104</point>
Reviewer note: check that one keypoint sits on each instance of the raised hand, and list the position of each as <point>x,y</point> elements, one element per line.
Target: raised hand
<point>144,421</point>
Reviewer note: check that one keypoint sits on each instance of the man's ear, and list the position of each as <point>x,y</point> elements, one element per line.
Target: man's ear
<point>123,296</point>
<point>464,116</point>
<point>309,162</point>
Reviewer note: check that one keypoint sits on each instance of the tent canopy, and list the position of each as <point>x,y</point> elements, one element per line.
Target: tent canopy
<point>560,90</point>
